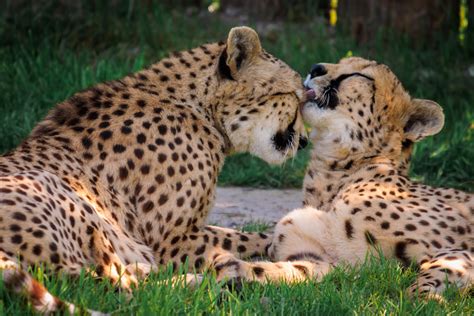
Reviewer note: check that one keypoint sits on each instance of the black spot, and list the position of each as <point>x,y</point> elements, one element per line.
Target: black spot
<point>148,206</point>
<point>138,153</point>
<point>227,244</point>
<point>400,253</point>
<point>19,216</point>
<point>349,229</point>
<point>37,250</point>
<point>162,129</point>
<point>86,142</point>
<point>258,271</point>
<point>123,173</point>
<point>17,239</point>
<point>410,227</point>
<point>119,148</point>
<point>198,262</point>
<point>163,199</point>
<point>200,250</point>
<point>167,64</point>
<point>105,135</point>
<point>126,130</point>
<point>141,138</point>
<point>54,258</point>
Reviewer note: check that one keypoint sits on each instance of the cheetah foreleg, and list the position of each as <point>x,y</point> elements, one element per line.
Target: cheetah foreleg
<point>229,267</point>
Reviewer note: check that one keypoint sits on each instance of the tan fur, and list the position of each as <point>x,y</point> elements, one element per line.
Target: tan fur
<point>122,176</point>
<point>357,195</point>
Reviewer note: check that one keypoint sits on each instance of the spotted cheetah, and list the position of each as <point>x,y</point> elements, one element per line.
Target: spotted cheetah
<point>358,199</point>
<point>122,176</point>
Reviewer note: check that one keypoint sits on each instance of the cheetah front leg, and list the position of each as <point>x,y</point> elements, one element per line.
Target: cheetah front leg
<point>296,246</point>
<point>200,247</point>
<point>448,267</point>
<point>221,249</point>
<point>228,267</point>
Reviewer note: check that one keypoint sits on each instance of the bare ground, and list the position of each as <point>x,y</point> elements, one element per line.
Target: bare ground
<point>237,206</point>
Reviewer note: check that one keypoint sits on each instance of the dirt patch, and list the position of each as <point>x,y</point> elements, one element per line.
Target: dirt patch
<point>237,206</point>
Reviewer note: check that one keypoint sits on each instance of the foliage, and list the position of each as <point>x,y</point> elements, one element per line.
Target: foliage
<point>375,288</point>
<point>46,55</point>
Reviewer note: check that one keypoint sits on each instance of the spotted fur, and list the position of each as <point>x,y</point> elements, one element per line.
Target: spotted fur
<point>357,195</point>
<point>122,176</point>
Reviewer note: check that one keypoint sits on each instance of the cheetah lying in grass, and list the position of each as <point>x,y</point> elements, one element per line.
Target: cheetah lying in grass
<point>357,195</point>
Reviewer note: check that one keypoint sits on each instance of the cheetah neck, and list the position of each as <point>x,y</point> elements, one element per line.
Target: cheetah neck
<point>323,183</point>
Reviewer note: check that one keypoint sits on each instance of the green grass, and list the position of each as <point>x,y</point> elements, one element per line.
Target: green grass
<point>45,56</point>
<point>375,288</point>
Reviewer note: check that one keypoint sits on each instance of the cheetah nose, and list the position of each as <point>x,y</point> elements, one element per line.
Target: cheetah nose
<point>317,70</point>
<point>302,143</point>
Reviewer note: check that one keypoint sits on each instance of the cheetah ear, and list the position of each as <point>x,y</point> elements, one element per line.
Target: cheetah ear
<point>426,118</point>
<point>243,46</point>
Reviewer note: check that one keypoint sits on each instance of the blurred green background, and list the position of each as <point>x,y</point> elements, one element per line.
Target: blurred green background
<point>50,49</point>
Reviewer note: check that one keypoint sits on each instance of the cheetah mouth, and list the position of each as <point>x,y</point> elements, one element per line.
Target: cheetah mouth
<point>284,140</point>
<point>326,100</point>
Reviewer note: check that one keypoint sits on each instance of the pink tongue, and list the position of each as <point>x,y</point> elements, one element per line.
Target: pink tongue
<point>310,94</point>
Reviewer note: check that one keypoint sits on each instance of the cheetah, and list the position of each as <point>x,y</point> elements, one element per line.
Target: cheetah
<point>121,176</point>
<point>358,199</point>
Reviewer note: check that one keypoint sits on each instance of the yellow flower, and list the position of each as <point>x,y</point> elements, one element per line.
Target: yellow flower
<point>332,17</point>
<point>333,13</point>
<point>463,21</point>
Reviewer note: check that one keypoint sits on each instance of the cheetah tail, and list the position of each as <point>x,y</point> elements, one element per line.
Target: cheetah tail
<point>20,282</point>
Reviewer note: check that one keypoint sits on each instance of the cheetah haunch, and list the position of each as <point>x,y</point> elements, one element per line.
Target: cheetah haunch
<point>122,176</point>
<point>357,195</point>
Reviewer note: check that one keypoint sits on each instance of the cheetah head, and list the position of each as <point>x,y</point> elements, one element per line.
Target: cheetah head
<point>359,111</point>
<point>259,99</point>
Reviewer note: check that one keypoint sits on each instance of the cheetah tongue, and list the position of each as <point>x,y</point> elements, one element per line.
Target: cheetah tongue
<point>310,94</point>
